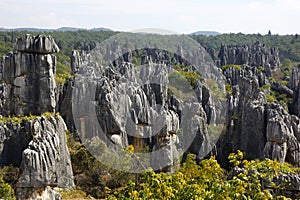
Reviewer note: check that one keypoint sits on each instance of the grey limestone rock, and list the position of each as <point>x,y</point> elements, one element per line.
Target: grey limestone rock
<point>46,160</point>
<point>35,144</point>
<point>28,77</point>
<point>259,128</point>
<point>47,194</point>
<point>39,44</point>
<point>254,55</point>
<point>132,106</point>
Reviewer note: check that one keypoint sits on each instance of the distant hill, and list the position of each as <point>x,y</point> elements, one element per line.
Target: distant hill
<point>207,33</point>
<point>62,29</point>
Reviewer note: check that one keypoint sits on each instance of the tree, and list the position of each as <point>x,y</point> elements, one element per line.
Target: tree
<point>269,33</point>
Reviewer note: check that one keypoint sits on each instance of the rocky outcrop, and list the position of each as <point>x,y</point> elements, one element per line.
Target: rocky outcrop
<point>254,55</point>
<point>35,144</point>
<point>259,128</point>
<point>294,85</point>
<point>46,160</point>
<point>294,78</point>
<point>28,77</point>
<point>40,44</point>
<point>135,106</point>
<point>282,135</point>
<point>14,140</point>
<point>128,112</point>
<point>246,121</point>
<point>38,147</point>
<point>235,75</point>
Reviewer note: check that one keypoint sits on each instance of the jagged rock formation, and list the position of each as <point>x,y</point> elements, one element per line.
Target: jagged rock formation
<point>127,112</point>
<point>123,104</point>
<point>37,146</point>
<point>234,76</point>
<point>27,75</point>
<point>294,85</point>
<point>46,160</point>
<point>134,105</point>
<point>259,128</point>
<point>130,112</point>
<point>253,55</point>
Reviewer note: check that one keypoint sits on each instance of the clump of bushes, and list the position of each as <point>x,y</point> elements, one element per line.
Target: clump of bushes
<point>209,181</point>
<point>237,67</point>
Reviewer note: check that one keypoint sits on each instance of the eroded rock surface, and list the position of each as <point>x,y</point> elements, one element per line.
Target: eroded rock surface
<point>134,105</point>
<point>35,144</point>
<point>253,55</point>
<point>46,160</point>
<point>28,84</point>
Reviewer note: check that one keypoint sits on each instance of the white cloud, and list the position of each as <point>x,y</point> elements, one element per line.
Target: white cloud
<point>181,16</point>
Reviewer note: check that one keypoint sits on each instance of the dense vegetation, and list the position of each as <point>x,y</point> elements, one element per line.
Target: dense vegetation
<point>288,45</point>
<point>249,180</point>
<point>209,181</point>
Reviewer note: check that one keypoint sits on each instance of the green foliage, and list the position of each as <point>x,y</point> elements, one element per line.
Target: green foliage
<point>10,174</point>
<point>63,71</point>
<point>18,119</point>
<point>274,96</point>
<point>73,194</point>
<point>271,79</point>
<point>93,177</point>
<point>191,182</point>
<point>228,88</point>
<point>270,98</point>
<point>237,67</point>
<point>180,84</point>
<point>256,172</point>
<point>6,191</point>
<point>191,77</point>
<point>209,181</point>
<point>260,68</point>
<point>187,73</point>
<point>287,66</point>
<point>62,78</point>
<point>215,89</point>
<point>265,87</point>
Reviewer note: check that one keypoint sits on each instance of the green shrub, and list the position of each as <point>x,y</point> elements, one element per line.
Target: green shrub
<point>237,67</point>
<point>18,119</point>
<point>270,98</point>
<point>73,194</point>
<point>228,88</point>
<point>6,191</point>
<point>209,181</point>
<point>265,87</point>
<point>260,69</point>
<point>217,92</point>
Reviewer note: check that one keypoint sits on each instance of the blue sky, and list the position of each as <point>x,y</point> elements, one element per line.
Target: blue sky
<point>183,16</point>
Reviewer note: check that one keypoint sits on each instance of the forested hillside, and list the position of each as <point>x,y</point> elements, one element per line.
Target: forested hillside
<point>288,45</point>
